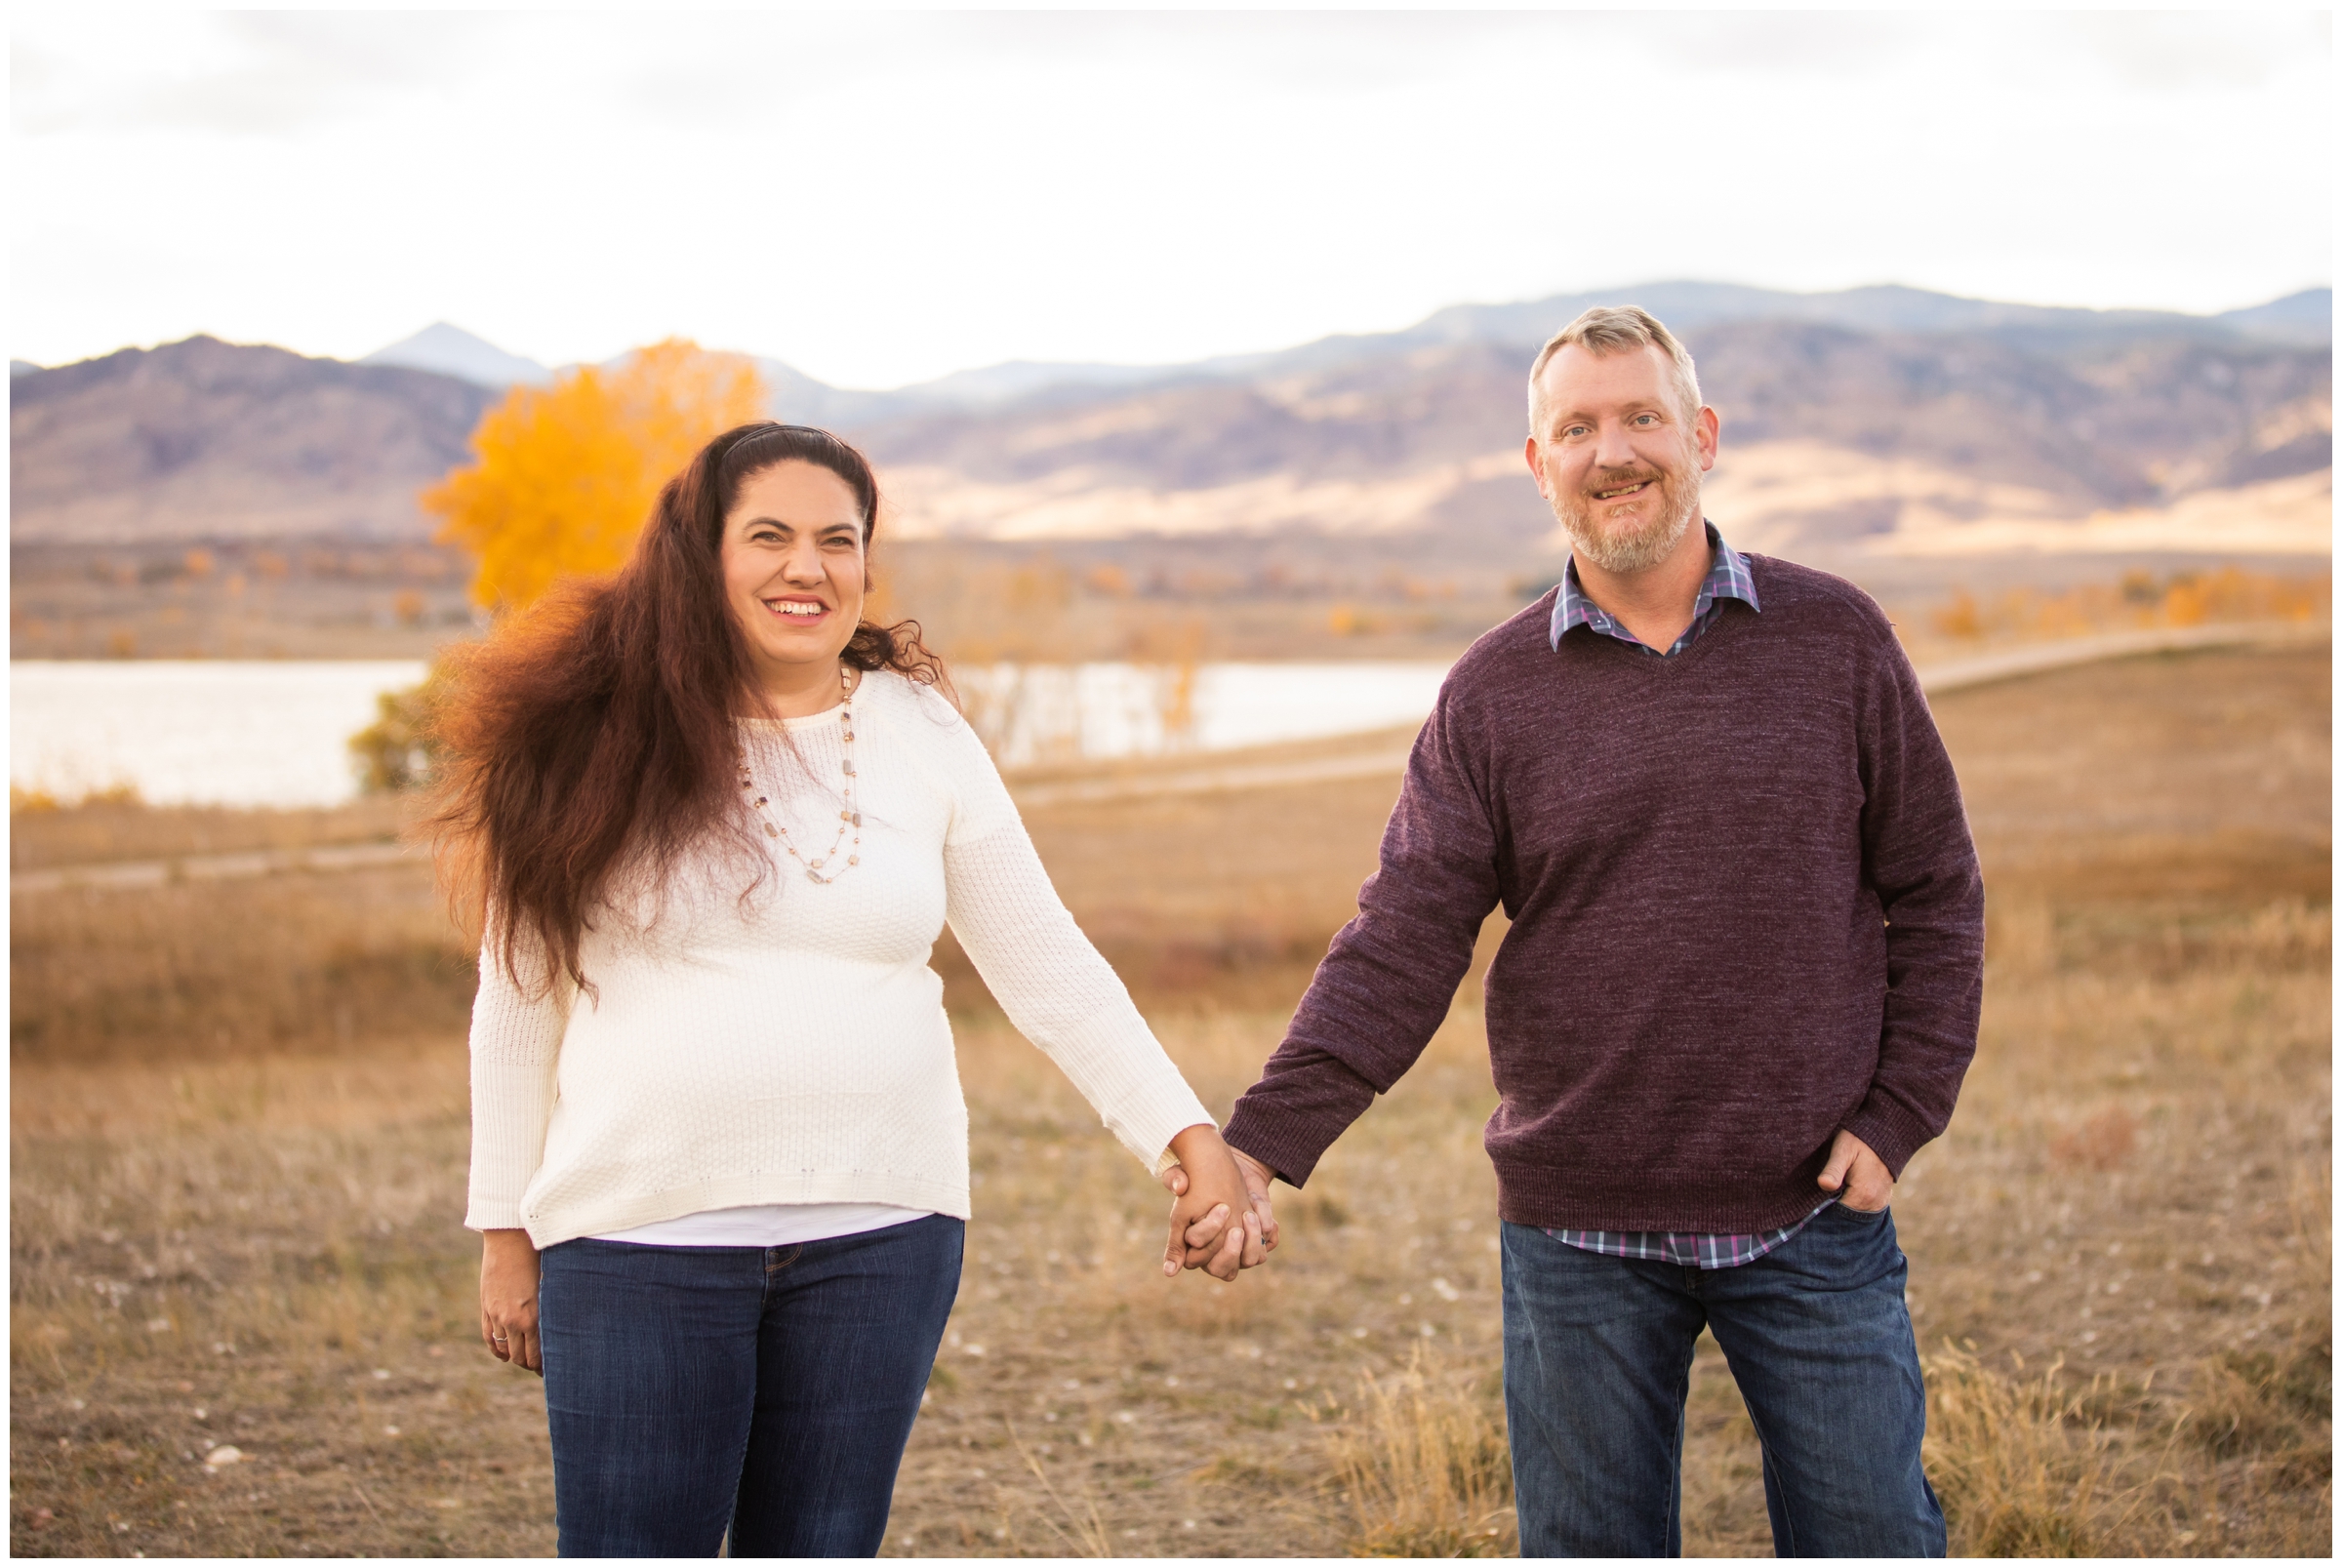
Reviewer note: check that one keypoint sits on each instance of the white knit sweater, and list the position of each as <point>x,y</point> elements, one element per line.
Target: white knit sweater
<point>793,1048</point>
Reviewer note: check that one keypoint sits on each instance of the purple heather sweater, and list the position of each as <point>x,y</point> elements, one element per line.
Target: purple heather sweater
<point>1745,912</point>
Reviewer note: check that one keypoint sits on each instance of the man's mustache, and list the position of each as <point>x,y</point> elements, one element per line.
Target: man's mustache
<point>1622,478</point>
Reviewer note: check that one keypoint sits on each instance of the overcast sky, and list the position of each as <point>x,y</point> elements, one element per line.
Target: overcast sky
<point>881,198</point>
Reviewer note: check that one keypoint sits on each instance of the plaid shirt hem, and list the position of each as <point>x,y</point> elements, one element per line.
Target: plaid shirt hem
<point>1728,578</point>
<point>1684,1249</point>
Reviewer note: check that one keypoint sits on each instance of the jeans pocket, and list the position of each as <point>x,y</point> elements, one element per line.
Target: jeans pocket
<point>1864,1216</point>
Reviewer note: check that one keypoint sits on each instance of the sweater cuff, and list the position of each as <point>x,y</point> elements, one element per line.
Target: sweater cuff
<point>1891,1131</point>
<point>493,1214</point>
<point>1289,1151</point>
<point>1146,1130</point>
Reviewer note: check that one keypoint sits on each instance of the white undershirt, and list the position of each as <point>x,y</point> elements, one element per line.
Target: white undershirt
<point>766,1225</point>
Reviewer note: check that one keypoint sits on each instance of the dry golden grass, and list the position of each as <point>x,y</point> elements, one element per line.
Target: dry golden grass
<point>2121,1253</point>
<point>256,1254</point>
<point>42,834</point>
<point>1424,1465</point>
<point>221,970</point>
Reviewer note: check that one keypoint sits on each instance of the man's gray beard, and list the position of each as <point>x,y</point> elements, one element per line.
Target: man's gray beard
<point>1624,555</point>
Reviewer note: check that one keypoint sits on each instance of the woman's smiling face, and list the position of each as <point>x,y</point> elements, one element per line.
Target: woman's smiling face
<point>793,562</point>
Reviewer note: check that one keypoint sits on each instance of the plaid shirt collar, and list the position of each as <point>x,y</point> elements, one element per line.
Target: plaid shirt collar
<point>1728,578</point>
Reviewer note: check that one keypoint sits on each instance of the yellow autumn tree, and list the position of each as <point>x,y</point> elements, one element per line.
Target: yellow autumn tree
<point>564,475</point>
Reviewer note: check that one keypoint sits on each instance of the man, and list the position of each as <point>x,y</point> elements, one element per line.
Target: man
<point>1739,991</point>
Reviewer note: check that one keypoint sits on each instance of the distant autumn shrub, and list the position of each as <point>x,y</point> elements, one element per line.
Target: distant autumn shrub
<point>395,753</point>
<point>2139,600</point>
<point>563,478</point>
<point>564,475</point>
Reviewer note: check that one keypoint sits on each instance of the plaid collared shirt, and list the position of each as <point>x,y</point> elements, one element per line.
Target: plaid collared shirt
<point>1727,578</point>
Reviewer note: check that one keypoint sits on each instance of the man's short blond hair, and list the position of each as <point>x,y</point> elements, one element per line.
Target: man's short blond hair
<point>1612,329</point>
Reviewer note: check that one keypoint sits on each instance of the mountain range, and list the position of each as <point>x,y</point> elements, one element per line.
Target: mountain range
<point>1870,419</point>
<point>2304,318</point>
<point>205,440</point>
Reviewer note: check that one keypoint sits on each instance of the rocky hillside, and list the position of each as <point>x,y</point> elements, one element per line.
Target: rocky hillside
<point>206,440</point>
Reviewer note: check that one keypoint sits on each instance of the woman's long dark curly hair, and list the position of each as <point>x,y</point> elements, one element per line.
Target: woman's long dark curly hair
<point>597,726</point>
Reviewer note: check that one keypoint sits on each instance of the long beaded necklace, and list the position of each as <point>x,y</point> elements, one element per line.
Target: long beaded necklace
<point>848,821</point>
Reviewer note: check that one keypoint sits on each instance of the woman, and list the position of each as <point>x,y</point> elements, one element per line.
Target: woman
<point>719,1154</point>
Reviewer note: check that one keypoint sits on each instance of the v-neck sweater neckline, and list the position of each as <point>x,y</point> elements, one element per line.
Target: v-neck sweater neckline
<point>1725,628</point>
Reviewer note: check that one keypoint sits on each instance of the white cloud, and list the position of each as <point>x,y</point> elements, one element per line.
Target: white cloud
<point>2164,51</point>
<point>888,197</point>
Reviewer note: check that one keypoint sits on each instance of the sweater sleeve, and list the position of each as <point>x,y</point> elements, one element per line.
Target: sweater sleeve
<point>1385,983</point>
<point>1920,860</point>
<point>1056,987</point>
<point>515,1052</point>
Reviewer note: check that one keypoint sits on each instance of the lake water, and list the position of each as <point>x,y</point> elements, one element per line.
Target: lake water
<point>218,732</point>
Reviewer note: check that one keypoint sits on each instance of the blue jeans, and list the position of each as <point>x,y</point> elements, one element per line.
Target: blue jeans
<point>767,1390</point>
<point>1597,1364</point>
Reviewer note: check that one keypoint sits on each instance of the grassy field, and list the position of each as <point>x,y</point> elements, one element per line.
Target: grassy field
<point>239,1139</point>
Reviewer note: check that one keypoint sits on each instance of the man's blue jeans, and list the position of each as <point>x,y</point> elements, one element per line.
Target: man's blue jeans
<point>767,1390</point>
<point>1597,1364</point>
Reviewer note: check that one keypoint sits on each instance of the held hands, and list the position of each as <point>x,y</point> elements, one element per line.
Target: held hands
<point>508,1298</point>
<point>1858,1177</point>
<point>1257,1177</point>
<point>1221,1221</point>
